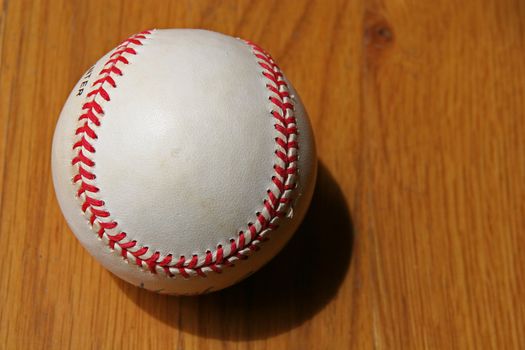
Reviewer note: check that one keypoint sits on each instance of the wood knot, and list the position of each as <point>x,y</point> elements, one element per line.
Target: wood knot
<point>378,34</point>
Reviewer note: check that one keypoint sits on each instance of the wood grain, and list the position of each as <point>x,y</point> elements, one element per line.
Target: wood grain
<point>415,236</point>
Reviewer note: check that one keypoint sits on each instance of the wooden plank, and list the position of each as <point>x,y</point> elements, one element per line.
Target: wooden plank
<point>414,237</point>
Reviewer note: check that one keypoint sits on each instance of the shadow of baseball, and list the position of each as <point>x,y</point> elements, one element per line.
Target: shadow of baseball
<point>289,290</point>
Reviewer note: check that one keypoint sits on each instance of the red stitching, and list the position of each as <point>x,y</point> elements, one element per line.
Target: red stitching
<point>275,205</point>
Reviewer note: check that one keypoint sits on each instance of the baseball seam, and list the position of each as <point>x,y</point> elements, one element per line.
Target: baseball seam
<point>276,203</point>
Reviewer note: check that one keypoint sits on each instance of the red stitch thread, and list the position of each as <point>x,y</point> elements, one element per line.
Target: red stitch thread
<point>275,204</point>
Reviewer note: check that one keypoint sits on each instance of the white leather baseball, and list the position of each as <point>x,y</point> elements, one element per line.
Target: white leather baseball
<point>183,160</point>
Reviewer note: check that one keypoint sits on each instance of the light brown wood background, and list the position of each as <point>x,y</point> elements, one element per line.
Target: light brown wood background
<point>415,239</point>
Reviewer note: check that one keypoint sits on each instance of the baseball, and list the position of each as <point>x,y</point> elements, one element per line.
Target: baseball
<point>183,160</point>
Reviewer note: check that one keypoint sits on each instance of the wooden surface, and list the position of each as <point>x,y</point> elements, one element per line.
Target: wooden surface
<point>416,235</point>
